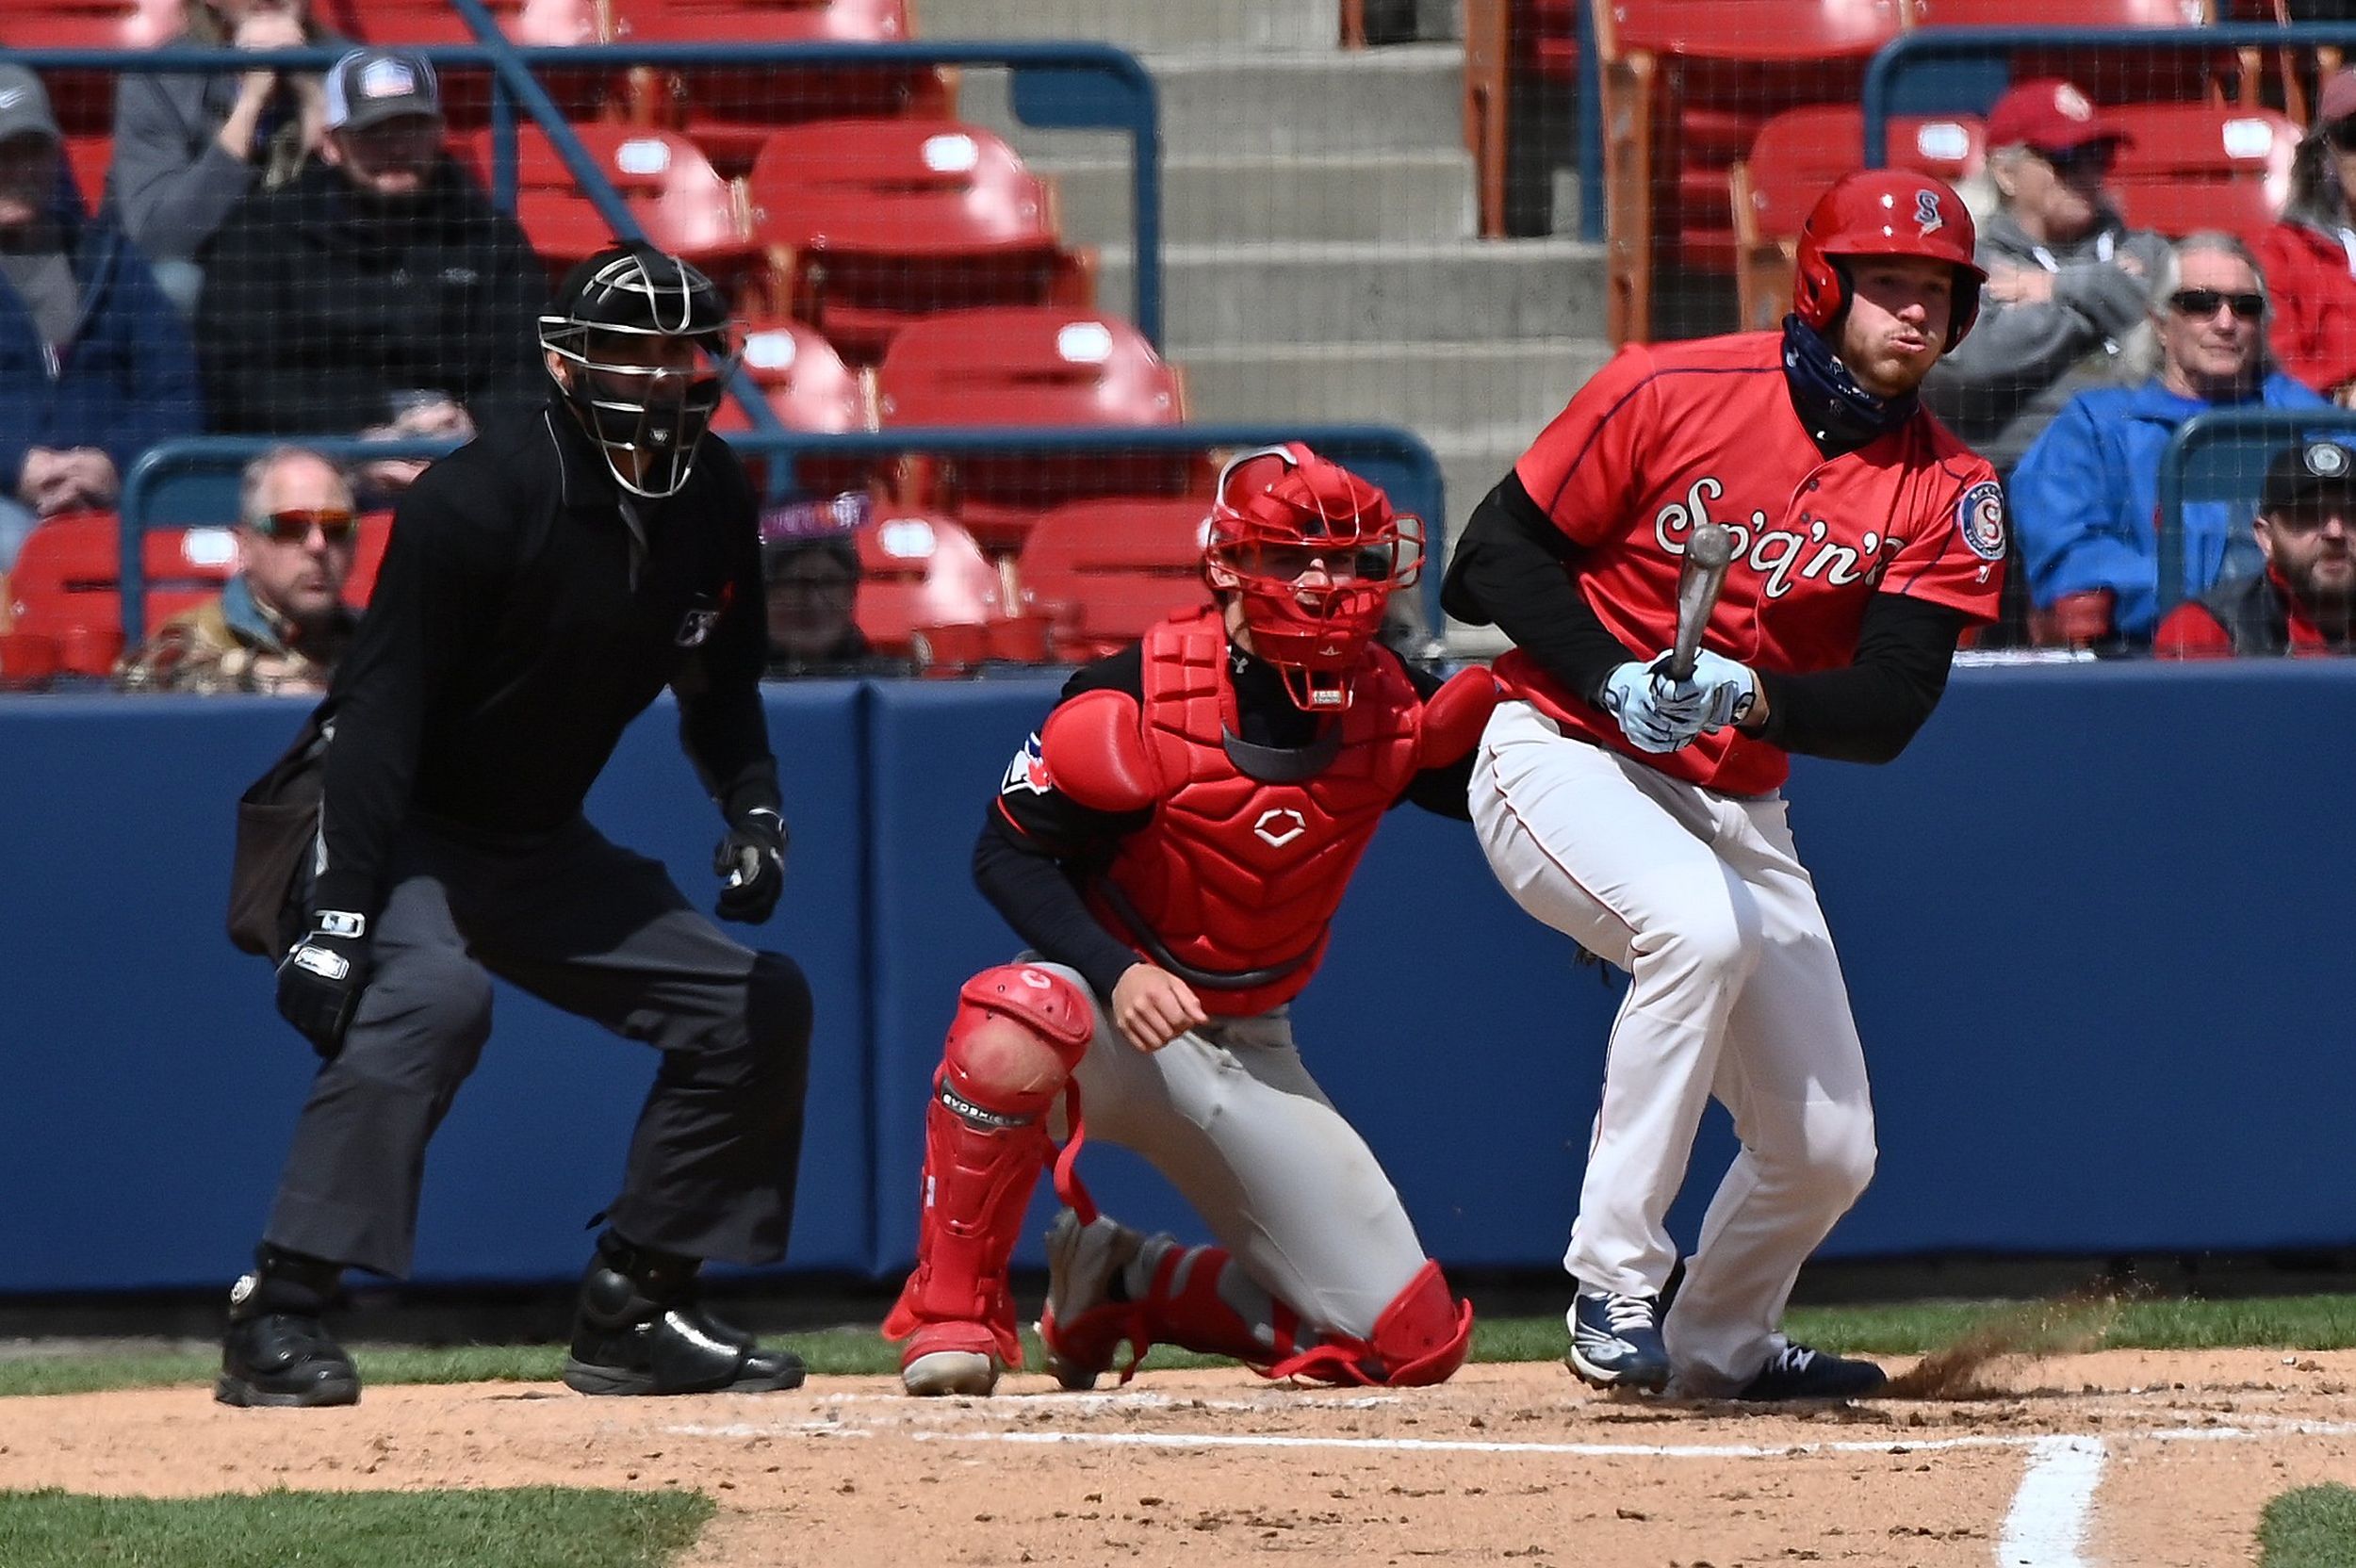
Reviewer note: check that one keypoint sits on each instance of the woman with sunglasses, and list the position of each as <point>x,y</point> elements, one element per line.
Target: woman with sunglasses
<point>2068,281</point>
<point>2310,257</point>
<point>281,623</point>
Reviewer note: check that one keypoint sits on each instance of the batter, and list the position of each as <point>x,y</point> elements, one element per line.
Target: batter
<point>1643,817</point>
<point>1174,844</point>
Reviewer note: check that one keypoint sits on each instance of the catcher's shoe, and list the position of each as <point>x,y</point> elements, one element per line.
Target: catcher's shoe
<point>1796,1372</point>
<point>283,1358</point>
<point>1082,1327</point>
<point>625,1342</point>
<point>951,1358</point>
<point>1616,1341</point>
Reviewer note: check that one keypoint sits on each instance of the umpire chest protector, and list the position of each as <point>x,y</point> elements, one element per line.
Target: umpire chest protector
<point>1233,883</point>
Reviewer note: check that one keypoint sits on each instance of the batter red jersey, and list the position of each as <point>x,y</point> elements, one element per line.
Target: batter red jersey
<point>1673,434</point>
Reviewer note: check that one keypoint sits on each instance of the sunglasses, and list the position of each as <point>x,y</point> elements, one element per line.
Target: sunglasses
<point>2202,303</point>
<point>2310,517</point>
<point>2341,134</point>
<point>2096,156</point>
<point>334,527</point>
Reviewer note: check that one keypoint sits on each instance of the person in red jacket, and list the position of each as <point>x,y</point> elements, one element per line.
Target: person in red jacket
<point>2310,257</point>
<point>1174,844</point>
<point>2302,603</point>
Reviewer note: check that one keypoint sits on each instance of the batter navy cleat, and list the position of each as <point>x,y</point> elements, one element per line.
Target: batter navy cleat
<point>951,1358</point>
<point>1082,1326</point>
<point>1796,1372</point>
<point>1616,1341</point>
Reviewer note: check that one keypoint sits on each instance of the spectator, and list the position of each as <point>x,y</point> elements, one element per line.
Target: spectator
<point>2302,604</point>
<point>2310,257</point>
<point>281,623</point>
<point>189,146</point>
<point>2069,283</point>
<point>2086,496</point>
<point>812,587</point>
<point>95,364</point>
<point>380,291</point>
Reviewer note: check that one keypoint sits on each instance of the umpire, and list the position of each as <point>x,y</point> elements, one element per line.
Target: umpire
<point>542,584</point>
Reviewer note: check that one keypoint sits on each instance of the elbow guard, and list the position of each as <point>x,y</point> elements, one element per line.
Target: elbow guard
<point>1094,751</point>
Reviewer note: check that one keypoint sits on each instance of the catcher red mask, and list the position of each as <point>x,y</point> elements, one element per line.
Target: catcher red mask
<point>1312,552</point>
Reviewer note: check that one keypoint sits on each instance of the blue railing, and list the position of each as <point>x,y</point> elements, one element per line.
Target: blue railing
<point>1909,53</point>
<point>1398,460</point>
<point>1054,87</point>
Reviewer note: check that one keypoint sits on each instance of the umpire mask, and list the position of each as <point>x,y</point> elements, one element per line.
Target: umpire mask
<point>648,341</point>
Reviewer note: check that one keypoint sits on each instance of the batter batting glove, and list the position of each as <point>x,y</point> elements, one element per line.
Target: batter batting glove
<point>1652,713</point>
<point>1721,691</point>
<point>751,863</point>
<point>320,979</point>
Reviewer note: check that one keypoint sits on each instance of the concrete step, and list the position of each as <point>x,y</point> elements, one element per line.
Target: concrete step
<point>1500,392</point>
<point>1141,26</point>
<point>1266,104</point>
<point>1405,196</point>
<point>1444,292</point>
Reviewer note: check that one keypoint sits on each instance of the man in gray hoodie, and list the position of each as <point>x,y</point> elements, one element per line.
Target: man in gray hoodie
<point>2069,283</point>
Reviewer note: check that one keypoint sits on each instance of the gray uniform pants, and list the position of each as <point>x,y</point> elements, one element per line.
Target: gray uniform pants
<point>1230,1115</point>
<point>603,934</point>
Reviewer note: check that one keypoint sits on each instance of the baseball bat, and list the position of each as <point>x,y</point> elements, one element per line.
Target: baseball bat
<point>1708,553</point>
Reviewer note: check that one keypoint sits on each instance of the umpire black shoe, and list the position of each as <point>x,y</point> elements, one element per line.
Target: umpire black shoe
<point>1796,1372</point>
<point>281,1358</point>
<point>626,1341</point>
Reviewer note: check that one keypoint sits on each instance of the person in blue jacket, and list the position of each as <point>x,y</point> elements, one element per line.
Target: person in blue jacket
<point>95,366</point>
<point>2086,496</point>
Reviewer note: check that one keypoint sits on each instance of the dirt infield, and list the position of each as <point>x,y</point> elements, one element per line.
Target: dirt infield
<point>2144,1458</point>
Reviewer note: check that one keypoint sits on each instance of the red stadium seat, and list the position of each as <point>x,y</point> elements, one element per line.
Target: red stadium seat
<point>1031,367</point>
<point>84,101</point>
<point>2102,74</point>
<point>918,570</point>
<point>2196,166</point>
<point>871,224</point>
<point>467,94</point>
<point>808,388</point>
<point>1687,84</point>
<point>1797,156</point>
<point>1106,569</point>
<point>376,531</point>
<point>88,157</point>
<point>731,112</point>
<point>68,576</point>
<point>683,205</point>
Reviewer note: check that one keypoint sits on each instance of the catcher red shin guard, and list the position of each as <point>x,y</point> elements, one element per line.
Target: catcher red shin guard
<point>1017,1035</point>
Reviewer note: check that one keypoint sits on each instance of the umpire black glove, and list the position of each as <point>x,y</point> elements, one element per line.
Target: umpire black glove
<point>751,864</point>
<point>321,977</point>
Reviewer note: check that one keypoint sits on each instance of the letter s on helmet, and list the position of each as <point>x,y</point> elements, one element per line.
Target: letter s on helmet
<point>1312,552</point>
<point>1885,212</point>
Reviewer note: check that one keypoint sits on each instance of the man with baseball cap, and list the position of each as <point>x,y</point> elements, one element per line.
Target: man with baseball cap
<point>2068,283</point>
<point>2302,603</point>
<point>95,366</point>
<point>379,291</point>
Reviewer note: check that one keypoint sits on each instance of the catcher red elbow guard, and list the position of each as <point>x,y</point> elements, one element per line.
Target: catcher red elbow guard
<point>1094,750</point>
<point>1453,717</point>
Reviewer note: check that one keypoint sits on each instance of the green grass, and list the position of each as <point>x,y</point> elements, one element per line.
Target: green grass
<point>2292,1322</point>
<point>2311,1527</point>
<point>540,1527</point>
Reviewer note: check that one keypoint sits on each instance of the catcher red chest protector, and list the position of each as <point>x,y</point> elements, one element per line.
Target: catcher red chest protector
<point>1234,884</point>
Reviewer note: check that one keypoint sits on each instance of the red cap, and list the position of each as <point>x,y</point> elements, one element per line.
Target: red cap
<point>2339,98</point>
<point>2049,115</point>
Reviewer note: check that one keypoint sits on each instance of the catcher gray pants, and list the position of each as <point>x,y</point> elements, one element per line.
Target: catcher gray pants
<point>603,934</point>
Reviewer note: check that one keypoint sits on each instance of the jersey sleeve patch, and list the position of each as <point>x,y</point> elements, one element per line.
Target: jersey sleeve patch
<point>1027,773</point>
<point>1980,519</point>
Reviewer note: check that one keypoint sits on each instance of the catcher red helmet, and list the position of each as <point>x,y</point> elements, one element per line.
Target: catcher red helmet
<point>1312,552</point>
<point>1885,212</point>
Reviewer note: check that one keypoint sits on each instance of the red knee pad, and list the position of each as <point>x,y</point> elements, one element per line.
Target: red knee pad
<point>1423,1335</point>
<point>1003,1015</point>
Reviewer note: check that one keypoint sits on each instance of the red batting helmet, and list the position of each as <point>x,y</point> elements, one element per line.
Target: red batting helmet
<point>1885,212</point>
<point>1313,551</point>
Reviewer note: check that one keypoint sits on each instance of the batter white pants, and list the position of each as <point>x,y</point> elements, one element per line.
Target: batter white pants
<point>1734,990</point>
<point>1230,1115</point>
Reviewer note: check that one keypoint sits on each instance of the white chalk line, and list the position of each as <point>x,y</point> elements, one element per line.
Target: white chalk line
<point>2047,1524</point>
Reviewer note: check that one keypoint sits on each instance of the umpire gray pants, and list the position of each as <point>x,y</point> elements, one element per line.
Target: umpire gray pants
<point>601,933</point>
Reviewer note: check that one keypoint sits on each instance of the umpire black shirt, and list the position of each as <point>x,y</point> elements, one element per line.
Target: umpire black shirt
<point>517,628</point>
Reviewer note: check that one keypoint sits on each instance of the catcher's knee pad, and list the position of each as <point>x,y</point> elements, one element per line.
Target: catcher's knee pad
<point>1423,1335</point>
<point>1018,1032</point>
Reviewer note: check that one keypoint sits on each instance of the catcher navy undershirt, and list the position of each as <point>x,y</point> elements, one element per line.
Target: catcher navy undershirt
<point>511,638</point>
